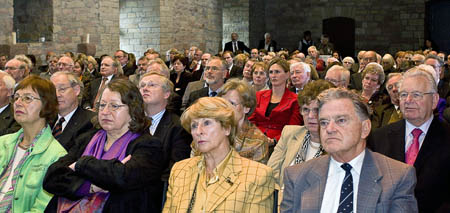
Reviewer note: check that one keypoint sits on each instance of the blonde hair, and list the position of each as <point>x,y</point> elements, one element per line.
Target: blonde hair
<point>215,108</point>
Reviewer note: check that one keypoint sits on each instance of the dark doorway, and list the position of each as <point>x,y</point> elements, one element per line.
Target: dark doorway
<point>341,31</point>
<point>436,23</point>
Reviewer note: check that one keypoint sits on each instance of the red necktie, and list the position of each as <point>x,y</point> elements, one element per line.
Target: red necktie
<point>413,150</point>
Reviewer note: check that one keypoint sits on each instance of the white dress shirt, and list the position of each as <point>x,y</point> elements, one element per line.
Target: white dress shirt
<point>66,119</point>
<point>3,108</point>
<point>156,118</point>
<point>336,175</point>
<point>409,136</point>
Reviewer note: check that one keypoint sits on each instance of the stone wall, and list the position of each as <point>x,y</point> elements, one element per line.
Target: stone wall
<point>139,25</point>
<point>236,19</point>
<point>186,23</point>
<point>380,25</point>
<point>257,26</point>
<point>6,21</point>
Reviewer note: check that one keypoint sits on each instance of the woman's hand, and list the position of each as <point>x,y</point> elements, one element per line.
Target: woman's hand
<point>126,159</point>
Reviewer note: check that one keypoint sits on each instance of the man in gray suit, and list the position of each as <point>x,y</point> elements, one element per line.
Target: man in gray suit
<point>350,178</point>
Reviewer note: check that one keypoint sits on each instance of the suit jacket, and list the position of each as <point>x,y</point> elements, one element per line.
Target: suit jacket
<point>384,115</point>
<point>286,113</point>
<point>291,141</point>
<point>273,44</point>
<point>241,46</point>
<point>203,92</point>
<point>432,163</point>
<point>93,89</point>
<point>175,141</point>
<point>236,72</point>
<point>385,185</point>
<point>356,81</point>
<point>8,124</point>
<point>191,87</point>
<point>244,186</point>
<point>79,123</point>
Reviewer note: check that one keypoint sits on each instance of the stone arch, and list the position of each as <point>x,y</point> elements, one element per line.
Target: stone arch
<point>341,31</point>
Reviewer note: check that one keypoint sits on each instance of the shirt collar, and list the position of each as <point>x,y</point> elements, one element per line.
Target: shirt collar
<point>356,164</point>
<point>220,168</point>
<point>68,116</point>
<point>424,127</point>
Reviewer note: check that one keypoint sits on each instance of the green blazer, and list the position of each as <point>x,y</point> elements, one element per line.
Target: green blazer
<point>29,196</point>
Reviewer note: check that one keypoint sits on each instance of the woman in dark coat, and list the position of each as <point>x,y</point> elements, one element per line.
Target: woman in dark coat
<point>115,169</point>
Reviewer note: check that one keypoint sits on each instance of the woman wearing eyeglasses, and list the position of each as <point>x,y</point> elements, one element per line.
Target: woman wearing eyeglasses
<point>115,169</point>
<point>26,154</point>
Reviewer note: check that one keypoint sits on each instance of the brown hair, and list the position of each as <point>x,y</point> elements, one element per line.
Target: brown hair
<point>311,90</point>
<point>47,94</point>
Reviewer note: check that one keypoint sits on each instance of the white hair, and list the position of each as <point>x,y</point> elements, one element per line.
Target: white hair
<point>348,58</point>
<point>306,67</point>
<point>266,34</point>
<point>8,80</point>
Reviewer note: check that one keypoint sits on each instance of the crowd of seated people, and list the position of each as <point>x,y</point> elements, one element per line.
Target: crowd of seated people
<point>194,131</point>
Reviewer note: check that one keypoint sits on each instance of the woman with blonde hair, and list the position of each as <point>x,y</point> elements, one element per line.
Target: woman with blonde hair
<point>219,179</point>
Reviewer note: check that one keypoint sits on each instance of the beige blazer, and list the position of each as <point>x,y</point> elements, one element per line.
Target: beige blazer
<point>291,141</point>
<point>245,186</point>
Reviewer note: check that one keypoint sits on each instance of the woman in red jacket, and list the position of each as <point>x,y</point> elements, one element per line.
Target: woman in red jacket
<point>278,106</point>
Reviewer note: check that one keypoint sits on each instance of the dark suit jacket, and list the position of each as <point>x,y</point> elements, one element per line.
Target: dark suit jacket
<point>383,114</point>
<point>236,72</point>
<point>175,141</point>
<point>273,44</point>
<point>203,92</point>
<point>241,46</point>
<point>432,163</point>
<point>286,113</point>
<point>356,81</point>
<point>93,89</point>
<point>129,69</point>
<point>385,185</point>
<point>79,123</point>
<point>7,123</point>
<point>135,186</point>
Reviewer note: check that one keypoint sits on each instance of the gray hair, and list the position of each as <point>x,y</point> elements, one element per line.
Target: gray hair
<point>306,67</point>
<point>362,109</point>
<point>348,58</point>
<point>391,75</point>
<point>345,74</point>
<point>8,80</point>
<point>441,62</point>
<point>73,81</point>
<point>26,62</point>
<point>266,34</point>
<point>418,72</point>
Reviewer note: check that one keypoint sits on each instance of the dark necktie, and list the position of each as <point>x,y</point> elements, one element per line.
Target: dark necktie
<point>346,197</point>
<point>213,94</point>
<point>99,92</point>
<point>57,129</point>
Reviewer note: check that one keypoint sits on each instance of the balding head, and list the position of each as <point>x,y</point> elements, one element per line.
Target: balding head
<point>339,76</point>
<point>65,63</point>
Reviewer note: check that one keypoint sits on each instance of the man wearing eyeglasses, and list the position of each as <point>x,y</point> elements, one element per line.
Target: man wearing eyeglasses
<point>17,69</point>
<point>72,119</point>
<point>420,139</point>
<point>7,124</point>
<point>65,63</point>
<point>389,113</point>
<point>339,76</point>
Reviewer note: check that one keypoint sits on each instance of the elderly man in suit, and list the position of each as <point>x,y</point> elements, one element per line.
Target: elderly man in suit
<point>214,75</point>
<point>110,68</point>
<point>388,113</point>
<point>72,119</point>
<point>350,178</point>
<point>156,91</point>
<point>235,45</point>
<point>7,124</point>
<point>421,140</point>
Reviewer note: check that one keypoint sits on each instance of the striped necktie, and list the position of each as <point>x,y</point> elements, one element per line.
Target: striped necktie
<point>346,197</point>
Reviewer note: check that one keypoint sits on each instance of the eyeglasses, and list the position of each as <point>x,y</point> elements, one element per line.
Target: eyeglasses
<point>306,110</point>
<point>213,68</point>
<point>347,62</point>
<point>142,85</point>
<point>333,81</point>
<point>12,68</point>
<point>111,106</point>
<point>62,89</point>
<point>391,86</point>
<point>417,96</point>
<point>63,64</point>
<point>27,98</point>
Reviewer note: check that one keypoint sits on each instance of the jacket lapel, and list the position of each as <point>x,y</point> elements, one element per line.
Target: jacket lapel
<point>315,185</point>
<point>396,138</point>
<point>429,145</point>
<point>369,189</point>
<point>228,182</point>
<point>294,145</point>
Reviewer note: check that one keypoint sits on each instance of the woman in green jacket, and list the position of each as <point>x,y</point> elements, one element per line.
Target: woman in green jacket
<point>26,154</point>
